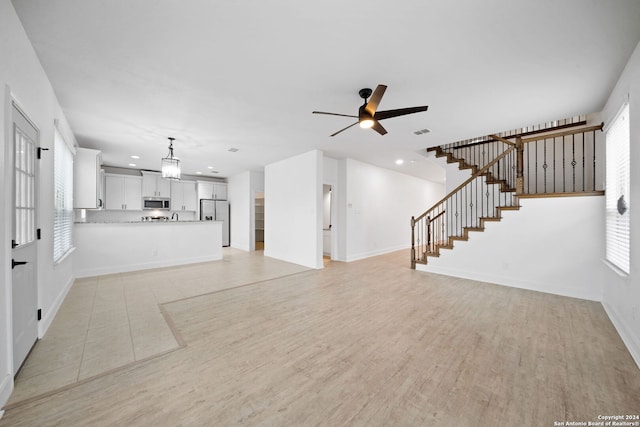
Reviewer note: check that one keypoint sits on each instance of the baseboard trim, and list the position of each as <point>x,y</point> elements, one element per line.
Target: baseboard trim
<point>6,388</point>
<point>369,254</point>
<point>512,282</point>
<point>50,314</point>
<point>629,340</point>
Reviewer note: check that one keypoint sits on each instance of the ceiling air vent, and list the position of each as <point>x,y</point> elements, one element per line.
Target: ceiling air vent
<point>421,131</point>
<point>233,150</point>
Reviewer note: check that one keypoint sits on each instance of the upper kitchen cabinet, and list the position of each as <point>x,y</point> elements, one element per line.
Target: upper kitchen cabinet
<point>154,185</point>
<point>123,192</point>
<point>183,196</point>
<point>87,179</point>
<point>212,190</point>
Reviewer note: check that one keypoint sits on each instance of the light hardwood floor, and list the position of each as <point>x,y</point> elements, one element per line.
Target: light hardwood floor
<point>365,343</point>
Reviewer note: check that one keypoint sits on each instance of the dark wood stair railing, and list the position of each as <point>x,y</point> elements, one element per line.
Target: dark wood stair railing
<point>539,163</point>
<point>480,198</point>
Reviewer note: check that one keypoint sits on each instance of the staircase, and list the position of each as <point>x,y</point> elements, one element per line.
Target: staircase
<point>560,158</point>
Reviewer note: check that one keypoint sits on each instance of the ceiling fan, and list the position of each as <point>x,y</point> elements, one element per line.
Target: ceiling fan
<point>368,116</point>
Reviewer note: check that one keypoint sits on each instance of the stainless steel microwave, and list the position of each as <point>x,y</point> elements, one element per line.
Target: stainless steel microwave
<point>156,203</point>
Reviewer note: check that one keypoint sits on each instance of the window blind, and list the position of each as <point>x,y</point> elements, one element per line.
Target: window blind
<point>617,191</point>
<point>63,204</point>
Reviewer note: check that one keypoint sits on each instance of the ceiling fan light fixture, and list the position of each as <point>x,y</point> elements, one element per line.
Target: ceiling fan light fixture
<point>366,123</point>
<point>170,164</point>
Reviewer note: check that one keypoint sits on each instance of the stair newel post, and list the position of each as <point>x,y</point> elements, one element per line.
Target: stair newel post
<point>519,166</point>
<point>413,243</point>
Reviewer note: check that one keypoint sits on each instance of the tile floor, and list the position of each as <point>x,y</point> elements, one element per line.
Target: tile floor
<point>108,322</point>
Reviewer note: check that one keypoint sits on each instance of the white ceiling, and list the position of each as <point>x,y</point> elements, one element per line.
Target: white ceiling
<point>247,74</point>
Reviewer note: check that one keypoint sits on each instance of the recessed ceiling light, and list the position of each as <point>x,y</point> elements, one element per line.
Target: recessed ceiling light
<point>135,157</point>
<point>421,131</point>
<point>399,162</point>
<point>209,167</point>
<point>199,173</point>
<point>233,150</point>
<point>132,164</point>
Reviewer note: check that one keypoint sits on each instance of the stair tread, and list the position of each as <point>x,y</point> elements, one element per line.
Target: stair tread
<point>490,179</point>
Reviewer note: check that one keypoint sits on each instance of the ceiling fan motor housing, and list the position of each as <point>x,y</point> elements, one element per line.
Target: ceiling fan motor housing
<point>362,113</point>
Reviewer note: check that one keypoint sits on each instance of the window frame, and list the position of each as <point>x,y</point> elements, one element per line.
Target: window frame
<point>63,155</point>
<point>618,182</point>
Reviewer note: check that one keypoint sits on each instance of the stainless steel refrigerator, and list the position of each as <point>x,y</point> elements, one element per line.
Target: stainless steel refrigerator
<point>216,210</point>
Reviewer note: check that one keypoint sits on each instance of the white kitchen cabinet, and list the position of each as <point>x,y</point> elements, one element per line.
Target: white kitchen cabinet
<point>154,185</point>
<point>212,190</point>
<point>87,179</point>
<point>183,196</point>
<point>123,192</point>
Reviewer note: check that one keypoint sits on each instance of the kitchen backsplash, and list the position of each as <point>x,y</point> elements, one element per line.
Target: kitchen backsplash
<point>122,216</point>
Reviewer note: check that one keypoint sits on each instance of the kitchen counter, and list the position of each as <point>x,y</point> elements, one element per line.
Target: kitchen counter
<point>116,247</point>
<point>139,222</point>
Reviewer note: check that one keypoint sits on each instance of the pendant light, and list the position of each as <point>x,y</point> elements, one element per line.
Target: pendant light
<point>171,164</point>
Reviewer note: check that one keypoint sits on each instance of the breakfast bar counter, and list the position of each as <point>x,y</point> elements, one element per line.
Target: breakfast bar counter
<point>117,247</point>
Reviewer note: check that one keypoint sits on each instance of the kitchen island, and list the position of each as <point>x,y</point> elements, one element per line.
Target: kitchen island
<point>117,247</point>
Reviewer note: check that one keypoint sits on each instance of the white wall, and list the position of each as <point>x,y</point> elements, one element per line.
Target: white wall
<point>132,246</point>
<point>550,245</point>
<point>621,294</point>
<point>293,209</point>
<point>23,79</point>
<point>378,206</point>
<point>454,176</point>
<point>240,200</point>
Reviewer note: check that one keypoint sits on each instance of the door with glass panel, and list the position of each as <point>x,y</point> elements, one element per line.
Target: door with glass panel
<point>24,252</point>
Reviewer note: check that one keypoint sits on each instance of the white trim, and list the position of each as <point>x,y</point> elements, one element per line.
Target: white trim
<point>625,332</point>
<point>6,388</point>
<point>56,126</point>
<point>16,104</point>
<point>615,268</point>
<point>63,257</point>
<point>368,254</point>
<point>511,282</point>
<point>45,322</point>
<point>614,116</point>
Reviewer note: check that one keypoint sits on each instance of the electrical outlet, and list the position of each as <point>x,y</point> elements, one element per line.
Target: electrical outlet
<point>634,312</point>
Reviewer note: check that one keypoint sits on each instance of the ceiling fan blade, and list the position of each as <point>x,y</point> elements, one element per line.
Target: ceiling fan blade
<point>334,114</point>
<point>381,115</point>
<point>343,129</point>
<point>378,128</point>
<point>372,105</point>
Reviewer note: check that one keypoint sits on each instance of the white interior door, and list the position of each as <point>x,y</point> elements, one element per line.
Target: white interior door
<point>24,253</point>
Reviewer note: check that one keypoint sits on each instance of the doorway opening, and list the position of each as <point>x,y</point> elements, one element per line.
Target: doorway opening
<point>326,224</point>
<point>259,221</point>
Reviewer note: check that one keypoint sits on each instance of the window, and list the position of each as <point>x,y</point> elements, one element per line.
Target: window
<point>63,203</point>
<point>25,196</point>
<point>617,192</point>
